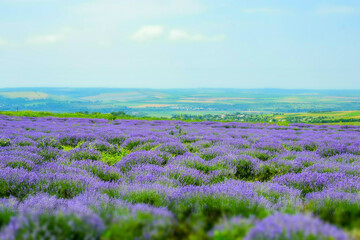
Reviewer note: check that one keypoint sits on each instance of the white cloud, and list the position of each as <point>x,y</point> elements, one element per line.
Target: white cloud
<point>27,1</point>
<point>46,39</point>
<point>111,20</point>
<point>3,42</point>
<point>147,33</point>
<point>181,35</point>
<point>119,11</point>
<point>62,35</point>
<point>274,11</point>
<point>335,10</point>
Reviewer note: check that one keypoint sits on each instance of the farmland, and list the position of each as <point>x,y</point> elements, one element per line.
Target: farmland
<point>99,178</point>
<point>336,117</point>
<point>168,102</point>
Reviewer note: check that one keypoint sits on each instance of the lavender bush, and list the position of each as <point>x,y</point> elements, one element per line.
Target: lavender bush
<point>131,179</point>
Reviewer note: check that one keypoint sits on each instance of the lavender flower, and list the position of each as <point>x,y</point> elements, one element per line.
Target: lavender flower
<point>284,226</point>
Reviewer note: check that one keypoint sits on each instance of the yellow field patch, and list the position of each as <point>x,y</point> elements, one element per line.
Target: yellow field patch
<point>336,97</point>
<point>158,94</point>
<point>153,105</point>
<point>211,100</point>
<point>28,95</point>
<point>291,100</point>
<point>224,99</point>
<point>116,96</point>
<point>195,101</point>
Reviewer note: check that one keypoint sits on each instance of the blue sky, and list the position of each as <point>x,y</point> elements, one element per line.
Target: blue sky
<point>306,44</point>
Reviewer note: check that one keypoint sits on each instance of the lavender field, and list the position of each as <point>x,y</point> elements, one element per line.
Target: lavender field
<point>64,178</point>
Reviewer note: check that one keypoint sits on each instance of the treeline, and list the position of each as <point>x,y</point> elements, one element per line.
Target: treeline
<point>268,118</point>
<point>280,118</point>
<point>273,106</point>
<point>236,117</point>
<point>51,105</point>
<point>110,116</point>
<point>262,105</point>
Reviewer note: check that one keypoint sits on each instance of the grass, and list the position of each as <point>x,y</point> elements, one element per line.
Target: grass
<point>328,118</point>
<point>72,115</point>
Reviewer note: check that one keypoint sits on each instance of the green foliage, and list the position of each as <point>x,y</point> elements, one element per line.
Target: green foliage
<point>15,189</point>
<point>187,140</point>
<point>260,155</point>
<point>220,177</point>
<point>138,226</point>
<point>113,158</point>
<point>191,148</point>
<point>146,196</point>
<point>24,143</point>
<point>105,176</point>
<point>180,131</point>
<point>173,150</point>
<point>199,166</point>
<point>68,148</point>
<point>266,172</point>
<point>5,216</point>
<point>206,144</point>
<point>163,155</point>
<point>306,187</point>
<point>342,213</point>
<point>210,208</point>
<point>59,226</point>
<point>19,165</point>
<point>112,192</point>
<point>48,154</point>
<point>132,144</point>
<point>329,152</point>
<point>4,142</point>
<point>289,158</point>
<point>70,141</point>
<point>82,155</point>
<point>293,147</point>
<point>208,155</point>
<point>62,188</point>
<point>49,142</point>
<point>103,148</point>
<point>271,149</point>
<point>116,140</point>
<point>245,169</point>
<point>231,229</point>
<point>187,179</point>
<point>311,147</point>
<point>149,146</point>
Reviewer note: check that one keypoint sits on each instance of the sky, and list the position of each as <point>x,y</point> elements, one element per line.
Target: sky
<point>308,44</point>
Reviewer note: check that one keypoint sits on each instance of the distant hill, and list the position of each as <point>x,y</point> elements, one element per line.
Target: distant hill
<point>166,102</point>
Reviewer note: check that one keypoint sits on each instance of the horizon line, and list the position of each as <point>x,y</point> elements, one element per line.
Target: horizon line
<point>206,88</point>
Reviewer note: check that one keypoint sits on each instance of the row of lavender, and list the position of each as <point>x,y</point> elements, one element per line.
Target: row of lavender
<point>130,179</point>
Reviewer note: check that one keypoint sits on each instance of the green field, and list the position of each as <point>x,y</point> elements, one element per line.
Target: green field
<point>328,118</point>
<point>168,102</point>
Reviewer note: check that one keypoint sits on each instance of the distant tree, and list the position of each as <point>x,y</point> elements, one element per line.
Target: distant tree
<point>119,113</point>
